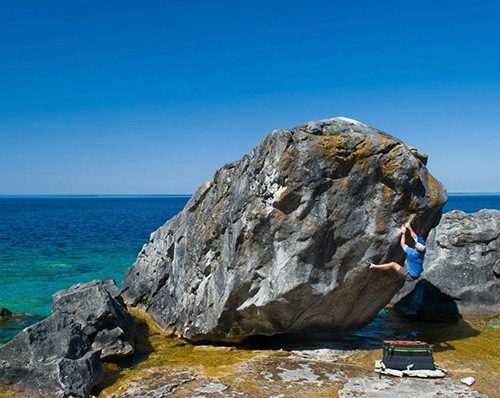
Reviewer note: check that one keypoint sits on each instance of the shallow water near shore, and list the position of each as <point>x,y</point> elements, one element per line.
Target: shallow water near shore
<point>49,243</point>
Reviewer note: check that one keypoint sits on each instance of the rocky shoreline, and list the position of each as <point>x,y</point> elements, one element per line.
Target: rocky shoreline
<point>273,250</point>
<point>344,369</point>
<point>61,355</point>
<point>164,366</point>
<point>292,377</point>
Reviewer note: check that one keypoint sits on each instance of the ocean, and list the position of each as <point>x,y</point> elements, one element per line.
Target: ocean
<point>49,243</point>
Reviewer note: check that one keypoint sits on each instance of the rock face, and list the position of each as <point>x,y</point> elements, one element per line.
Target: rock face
<point>98,307</point>
<point>51,358</point>
<point>462,269</point>
<point>60,356</point>
<point>279,242</point>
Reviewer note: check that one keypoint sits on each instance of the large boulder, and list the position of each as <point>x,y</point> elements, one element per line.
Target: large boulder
<point>52,358</point>
<point>462,269</point>
<point>99,309</point>
<point>279,242</point>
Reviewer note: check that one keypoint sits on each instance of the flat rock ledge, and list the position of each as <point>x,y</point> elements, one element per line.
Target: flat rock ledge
<point>312,372</point>
<point>279,242</point>
<point>407,387</point>
<point>61,355</point>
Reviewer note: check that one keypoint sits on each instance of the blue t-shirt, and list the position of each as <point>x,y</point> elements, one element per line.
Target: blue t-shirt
<point>415,261</point>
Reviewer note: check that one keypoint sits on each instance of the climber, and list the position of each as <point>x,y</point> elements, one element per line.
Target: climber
<point>414,257</point>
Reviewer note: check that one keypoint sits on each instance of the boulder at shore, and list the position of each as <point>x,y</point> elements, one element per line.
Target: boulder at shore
<point>98,307</point>
<point>279,243</point>
<point>462,269</point>
<point>51,358</point>
<point>61,355</point>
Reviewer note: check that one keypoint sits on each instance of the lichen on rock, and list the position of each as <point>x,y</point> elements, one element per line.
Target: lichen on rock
<point>286,252</point>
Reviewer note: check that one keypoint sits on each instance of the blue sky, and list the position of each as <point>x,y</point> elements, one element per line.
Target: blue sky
<point>151,97</point>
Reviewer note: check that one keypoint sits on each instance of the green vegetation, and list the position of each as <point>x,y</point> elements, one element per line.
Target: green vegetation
<point>199,201</point>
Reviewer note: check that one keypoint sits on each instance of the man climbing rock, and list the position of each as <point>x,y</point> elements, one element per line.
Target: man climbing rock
<point>414,263</point>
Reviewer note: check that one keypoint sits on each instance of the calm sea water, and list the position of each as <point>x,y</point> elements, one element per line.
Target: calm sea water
<point>51,243</point>
<point>472,202</point>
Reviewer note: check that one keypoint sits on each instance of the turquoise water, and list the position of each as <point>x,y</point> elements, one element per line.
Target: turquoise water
<point>49,243</point>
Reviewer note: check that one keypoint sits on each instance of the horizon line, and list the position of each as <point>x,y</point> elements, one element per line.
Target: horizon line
<point>177,194</point>
<point>95,195</point>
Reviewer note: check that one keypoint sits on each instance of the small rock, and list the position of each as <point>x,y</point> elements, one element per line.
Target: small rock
<point>212,388</point>
<point>61,354</point>
<point>52,357</point>
<point>99,309</point>
<point>468,380</point>
<point>4,312</point>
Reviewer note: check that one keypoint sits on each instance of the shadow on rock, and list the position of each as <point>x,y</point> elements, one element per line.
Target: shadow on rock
<point>427,302</point>
<point>287,343</point>
<point>390,324</point>
<point>113,371</point>
<point>441,335</point>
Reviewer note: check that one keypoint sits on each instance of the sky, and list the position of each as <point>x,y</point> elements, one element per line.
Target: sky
<point>152,97</point>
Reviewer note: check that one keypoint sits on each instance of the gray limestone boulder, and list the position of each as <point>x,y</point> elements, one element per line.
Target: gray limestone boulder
<point>61,355</point>
<point>279,243</point>
<point>52,358</point>
<point>462,269</point>
<point>99,309</point>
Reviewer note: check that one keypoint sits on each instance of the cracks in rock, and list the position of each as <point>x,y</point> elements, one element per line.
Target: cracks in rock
<point>162,280</point>
<point>388,148</point>
<point>239,240</point>
<point>289,202</point>
<point>170,251</point>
